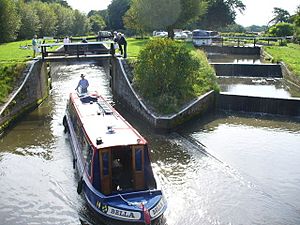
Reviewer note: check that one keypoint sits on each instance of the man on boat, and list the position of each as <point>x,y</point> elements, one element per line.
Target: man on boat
<point>83,84</point>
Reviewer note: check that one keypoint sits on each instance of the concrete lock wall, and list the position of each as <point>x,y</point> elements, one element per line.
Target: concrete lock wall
<point>124,92</point>
<point>288,75</point>
<point>31,92</point>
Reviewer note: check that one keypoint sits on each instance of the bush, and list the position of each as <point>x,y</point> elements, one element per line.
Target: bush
<point>168,75</point>
<point>281,30</point>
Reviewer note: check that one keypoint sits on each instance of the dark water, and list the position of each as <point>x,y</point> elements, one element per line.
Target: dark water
<point>248,173</point>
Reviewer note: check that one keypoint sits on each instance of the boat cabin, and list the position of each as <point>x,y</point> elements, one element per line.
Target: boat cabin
<point>113,154</point>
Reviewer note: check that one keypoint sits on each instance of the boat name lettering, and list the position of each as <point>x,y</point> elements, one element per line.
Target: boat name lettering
<point>123,214</point>
<point>157,209</point>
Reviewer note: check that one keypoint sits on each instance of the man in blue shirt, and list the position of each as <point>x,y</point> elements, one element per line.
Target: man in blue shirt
<point>83,84</point>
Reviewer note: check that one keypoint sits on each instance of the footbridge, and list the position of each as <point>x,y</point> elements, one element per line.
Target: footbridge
<point>56,52</point>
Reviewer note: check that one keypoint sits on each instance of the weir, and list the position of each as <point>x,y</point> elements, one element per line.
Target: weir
<point>250,104</point>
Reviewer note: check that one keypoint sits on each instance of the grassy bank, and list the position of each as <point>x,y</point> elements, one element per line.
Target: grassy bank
<point>9,74</point>
<point>289,54</point>
<point>13,57</point>
<point>136,45</point>
<point>13,52</point>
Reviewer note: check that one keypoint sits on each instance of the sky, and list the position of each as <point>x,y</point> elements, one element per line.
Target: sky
<point>258,12</point>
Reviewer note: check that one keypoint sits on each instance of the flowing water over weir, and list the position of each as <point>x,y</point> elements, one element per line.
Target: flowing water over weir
<point>225,170</point>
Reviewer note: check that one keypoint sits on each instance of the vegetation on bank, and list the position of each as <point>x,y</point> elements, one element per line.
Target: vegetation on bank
<point>289,54</point>
<point>9,75</point>
<point>13,57</point>
<point>18,51</point>
<point>168,75</point>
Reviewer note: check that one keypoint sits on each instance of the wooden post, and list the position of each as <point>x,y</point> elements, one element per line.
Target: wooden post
<point>42,48</point>
<point>112,49</point>
<point>77,49</point>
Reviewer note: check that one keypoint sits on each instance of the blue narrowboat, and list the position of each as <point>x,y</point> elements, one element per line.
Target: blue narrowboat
<point>112,160</point>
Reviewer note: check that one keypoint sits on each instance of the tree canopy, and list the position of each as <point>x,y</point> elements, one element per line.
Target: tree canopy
<point>116,10</point>
<point>220,13</point>
<point>163,14</point>
<point>297,24</point>
<point>9,20</point>
<point>280,16</point>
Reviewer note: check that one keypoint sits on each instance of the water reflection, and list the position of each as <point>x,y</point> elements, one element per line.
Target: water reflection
<point>265,156</point>
<point>240,59</point>
<point>37,180</point>
<point>248,172</point>
<point>260,87</point>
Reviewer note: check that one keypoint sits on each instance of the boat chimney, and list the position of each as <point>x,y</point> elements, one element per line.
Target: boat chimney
<point>110,129</point>
<point>99,141</point>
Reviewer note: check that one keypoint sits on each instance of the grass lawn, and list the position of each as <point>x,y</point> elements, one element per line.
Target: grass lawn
<point>289,54</point>
<point>135,45</point>
<point>13,52</point>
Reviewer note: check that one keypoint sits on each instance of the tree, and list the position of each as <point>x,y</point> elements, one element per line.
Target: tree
<point>9,21</point>
<point>47,18</point>
<point>220,13</point>
<point>30,23</point>
<point>81,24</point>
<point>116,11</point>
<point>65,19</point>
<point>235,28</point>
<point>130,19</point>
<point>281,30</point>
<point>61,2</point>
<point>167,14</point>
<point>97,23</point>
<point>280,16</point>
<point>256,28</point>
<point>297,24</point>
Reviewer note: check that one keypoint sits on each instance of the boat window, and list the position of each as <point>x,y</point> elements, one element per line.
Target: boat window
<point>138,159</point>
<point>89,160</point>
<point>105,157</point>
<point>122,168</point>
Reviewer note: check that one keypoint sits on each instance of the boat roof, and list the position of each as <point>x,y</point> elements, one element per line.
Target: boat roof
<point>101,121</point>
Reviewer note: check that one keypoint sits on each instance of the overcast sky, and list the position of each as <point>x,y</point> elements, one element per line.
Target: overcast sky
<point>258,12</point>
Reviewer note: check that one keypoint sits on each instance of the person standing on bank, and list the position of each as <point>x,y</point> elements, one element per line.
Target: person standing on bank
<point>122,41</point>
<point>35,46</point>
<point>66,42</point>
<point>83,84</point>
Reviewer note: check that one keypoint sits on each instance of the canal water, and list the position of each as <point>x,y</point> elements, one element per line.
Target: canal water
<point>224,170</point>
<point>259,87</point>
<point>239,59</point>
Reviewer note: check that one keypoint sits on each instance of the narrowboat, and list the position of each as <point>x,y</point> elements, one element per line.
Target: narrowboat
<point>113,161</point>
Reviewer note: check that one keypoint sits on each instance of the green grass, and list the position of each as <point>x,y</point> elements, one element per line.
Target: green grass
<point>289,54</point>
<point>12,52</point>
<point>9,74</point>
<point>12,63</point>
<point>135,46</point>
